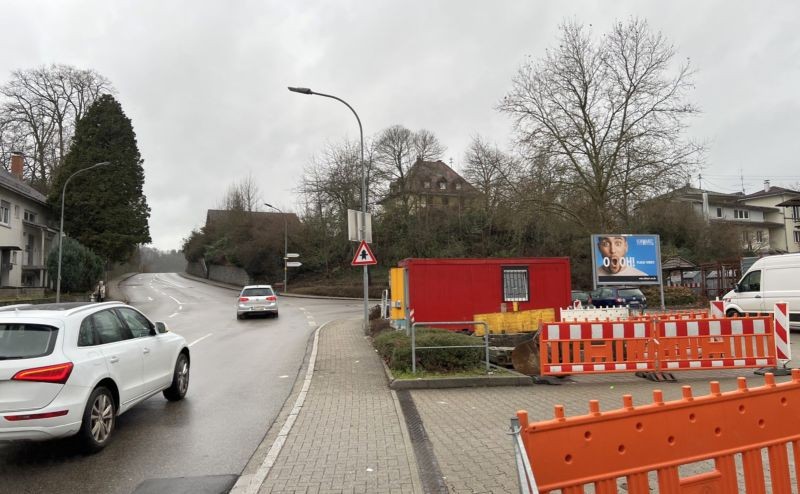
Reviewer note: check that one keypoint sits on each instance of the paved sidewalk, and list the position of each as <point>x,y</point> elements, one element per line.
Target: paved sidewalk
<point>349,435</point>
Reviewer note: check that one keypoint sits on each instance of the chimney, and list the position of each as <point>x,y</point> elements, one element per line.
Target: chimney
<point>16,164</point>
<point>766,185</point>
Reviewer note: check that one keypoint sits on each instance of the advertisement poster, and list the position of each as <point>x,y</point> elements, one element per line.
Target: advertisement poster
<point>623,259</point>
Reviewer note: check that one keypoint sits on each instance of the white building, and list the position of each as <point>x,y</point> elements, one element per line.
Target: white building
<point>25,237</point>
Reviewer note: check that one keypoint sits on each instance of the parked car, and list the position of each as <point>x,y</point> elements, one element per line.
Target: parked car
<point>619,296</point>
<point>584,297</point>
<point>257,299</point>
<point>72,368</point>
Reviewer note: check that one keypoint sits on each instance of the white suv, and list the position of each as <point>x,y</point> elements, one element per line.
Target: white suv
<point>71,368</point>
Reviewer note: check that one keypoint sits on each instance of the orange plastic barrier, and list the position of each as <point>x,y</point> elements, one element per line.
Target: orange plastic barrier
<point>637,443</point>
<point>591,347</point>
<point>655,345</point>
<point>716,343</point>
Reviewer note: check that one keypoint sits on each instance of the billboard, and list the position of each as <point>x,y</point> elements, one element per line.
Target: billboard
<point>623,259</point>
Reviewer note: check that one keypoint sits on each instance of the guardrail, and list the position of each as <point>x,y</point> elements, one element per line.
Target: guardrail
<point>414,346</point>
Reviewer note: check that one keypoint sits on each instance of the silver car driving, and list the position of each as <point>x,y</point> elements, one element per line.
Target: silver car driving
<point>257,299</point>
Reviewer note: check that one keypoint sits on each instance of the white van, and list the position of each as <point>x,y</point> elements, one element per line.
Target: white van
<point>770,279</point>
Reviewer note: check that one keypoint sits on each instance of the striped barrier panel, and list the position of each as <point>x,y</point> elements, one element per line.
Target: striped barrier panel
<point>691,445</point>
<point>596,347</point>
<point>571,314</point>
<point>717,308</point>
<point>782,341</point>
<point>715,343</point>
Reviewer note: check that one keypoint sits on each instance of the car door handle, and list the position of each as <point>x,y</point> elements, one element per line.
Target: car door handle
<point>114,359</point>
<point>145,350</point>
<point>757,296</point>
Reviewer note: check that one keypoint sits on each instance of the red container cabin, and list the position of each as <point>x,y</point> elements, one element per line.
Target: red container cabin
<point>445,290</point>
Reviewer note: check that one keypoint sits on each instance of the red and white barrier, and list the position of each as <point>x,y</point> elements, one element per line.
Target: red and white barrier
<point>782,342</point>
<point>717,309</point>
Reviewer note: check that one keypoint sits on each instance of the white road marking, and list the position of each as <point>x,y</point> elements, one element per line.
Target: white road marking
<point>149,299</point>
<point>283,377</point>
<point>180,307</point>
<point>250,484</point>
<point>172,315</point>
<point>168,282</point>
<point>200,339</point>
<point>175,299</point>
<point>312,323</point>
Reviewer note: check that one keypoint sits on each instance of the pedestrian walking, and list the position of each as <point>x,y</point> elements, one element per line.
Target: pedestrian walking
<point>100,292</point>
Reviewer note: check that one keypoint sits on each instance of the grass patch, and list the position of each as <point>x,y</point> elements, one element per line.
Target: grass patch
<point>395,349</point>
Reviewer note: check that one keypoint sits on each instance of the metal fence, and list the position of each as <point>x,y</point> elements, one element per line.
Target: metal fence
<point>527,483</point>
<point>414,346</point>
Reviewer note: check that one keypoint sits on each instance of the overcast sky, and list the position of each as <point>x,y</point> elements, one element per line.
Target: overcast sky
<point>204,83</point>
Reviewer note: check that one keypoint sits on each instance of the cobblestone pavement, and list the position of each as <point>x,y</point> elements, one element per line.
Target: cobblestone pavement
<point>468,427</point>
<point>349,435</point>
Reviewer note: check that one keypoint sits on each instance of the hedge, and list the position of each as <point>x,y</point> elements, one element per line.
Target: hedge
<point>395,349</point>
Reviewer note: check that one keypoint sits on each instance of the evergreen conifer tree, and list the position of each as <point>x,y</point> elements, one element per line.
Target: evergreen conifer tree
<point>105,208</point>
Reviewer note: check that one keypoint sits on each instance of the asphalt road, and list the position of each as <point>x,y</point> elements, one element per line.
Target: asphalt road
<point>242,372</point>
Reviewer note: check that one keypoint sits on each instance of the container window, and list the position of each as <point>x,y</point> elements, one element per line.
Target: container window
<point>515,284</point>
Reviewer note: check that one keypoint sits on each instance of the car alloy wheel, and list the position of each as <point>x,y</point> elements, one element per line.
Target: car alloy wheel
<point>101,420</point>
<point>183,376</point>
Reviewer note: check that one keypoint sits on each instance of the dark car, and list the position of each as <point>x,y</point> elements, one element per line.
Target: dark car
<point>619,296</point>
<point>582,296</point>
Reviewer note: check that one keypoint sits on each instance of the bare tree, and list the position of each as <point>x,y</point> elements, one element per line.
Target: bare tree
<point>427,146</point>
<point>242,196</point>
<point>606,118</point>
<point>39,110</point>
<point>490,170</point>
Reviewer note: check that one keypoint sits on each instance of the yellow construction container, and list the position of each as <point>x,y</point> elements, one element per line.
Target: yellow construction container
<point>525,321</point>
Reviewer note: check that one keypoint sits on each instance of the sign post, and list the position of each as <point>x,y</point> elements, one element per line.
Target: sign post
<point>289,264</point>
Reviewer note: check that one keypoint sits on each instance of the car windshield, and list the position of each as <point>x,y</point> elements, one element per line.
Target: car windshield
<point>19,341</point>
<point>257,292</point>
<point>630,292</point>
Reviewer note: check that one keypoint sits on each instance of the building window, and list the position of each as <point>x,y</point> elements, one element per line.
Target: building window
<point>515,284</point>
<point>796,213</point>
<point>5,211</point>
<point>741,214</point>
<point>427,185</point>
<point>445,201</point>
<point>29,216</point>
<point>745,238</point>
<point>797,236</point>
<point>442,185</point>
<point>16,211</point>
<point>759,236</point>
<point>719,212</point>
<point>458,186</point>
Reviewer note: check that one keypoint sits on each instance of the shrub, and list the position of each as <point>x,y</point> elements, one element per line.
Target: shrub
<point>395,348</point>
<point>673,296</point>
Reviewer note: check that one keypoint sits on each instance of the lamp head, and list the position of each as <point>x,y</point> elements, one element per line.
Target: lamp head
<point>301,90</point>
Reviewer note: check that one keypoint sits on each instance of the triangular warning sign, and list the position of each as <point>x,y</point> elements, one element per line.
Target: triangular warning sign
<point>364,255</point>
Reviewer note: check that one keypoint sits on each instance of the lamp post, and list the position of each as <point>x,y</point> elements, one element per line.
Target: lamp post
<point>363,230</point>
<point>61,228</point>
<point>285,246</point>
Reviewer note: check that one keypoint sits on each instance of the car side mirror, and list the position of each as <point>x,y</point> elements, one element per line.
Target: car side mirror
<point>161,328</point>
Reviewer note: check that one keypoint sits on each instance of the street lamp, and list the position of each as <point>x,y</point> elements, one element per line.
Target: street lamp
<point>285,245</point>
<point>61,228</point>
<point>363,231</point>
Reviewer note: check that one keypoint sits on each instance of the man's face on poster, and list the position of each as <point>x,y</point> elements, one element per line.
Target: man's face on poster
<point>614,249</point>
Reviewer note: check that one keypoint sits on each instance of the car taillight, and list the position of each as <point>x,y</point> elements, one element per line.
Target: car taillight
<point>56,374</point>
<point>243,299</point>
<point>272,298</point>
<point>34,416</point>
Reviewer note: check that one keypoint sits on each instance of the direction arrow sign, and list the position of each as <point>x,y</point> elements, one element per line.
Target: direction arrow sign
<point>293,264</point>
<point>364,255</point>
<point>290,254</point>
